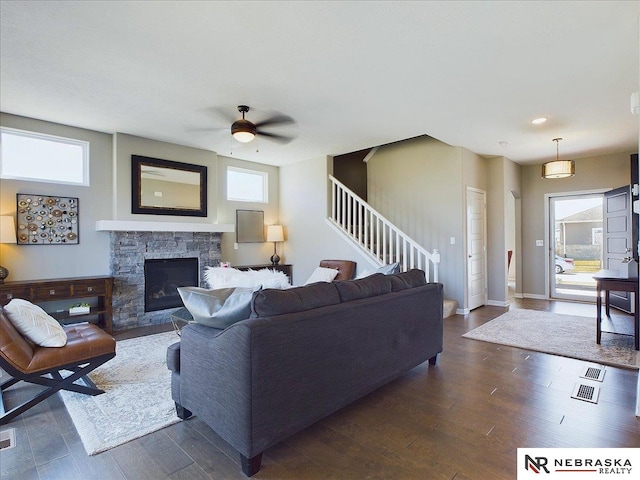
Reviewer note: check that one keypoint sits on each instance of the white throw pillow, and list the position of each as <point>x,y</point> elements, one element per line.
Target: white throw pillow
<point>35,324</point>
<point>223,277</point>
<point>322,274</point>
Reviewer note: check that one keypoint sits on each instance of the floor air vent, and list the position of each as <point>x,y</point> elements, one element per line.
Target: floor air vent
<point>594,372</point>
<point>7,439</point>
<point>588,393</point>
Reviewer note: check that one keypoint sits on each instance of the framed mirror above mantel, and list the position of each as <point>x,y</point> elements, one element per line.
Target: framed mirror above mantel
<point>166,187</point>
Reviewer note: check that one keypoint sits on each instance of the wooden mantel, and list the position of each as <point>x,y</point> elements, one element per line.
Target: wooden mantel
<point>138,226</point>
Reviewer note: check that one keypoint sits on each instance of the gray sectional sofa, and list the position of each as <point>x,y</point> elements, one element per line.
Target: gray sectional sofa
<point>305,353</point>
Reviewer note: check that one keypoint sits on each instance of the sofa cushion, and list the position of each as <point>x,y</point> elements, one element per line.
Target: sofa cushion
<point>270,302</point>
<point>322,274</point>
<point>35,324</point>
<point>371,286</point>
<point>217,308</point>
<point>412,278</point>
<point>390,269</point>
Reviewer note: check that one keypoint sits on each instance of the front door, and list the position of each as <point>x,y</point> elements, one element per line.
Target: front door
<point>617,238</point>
<point>476,248</point>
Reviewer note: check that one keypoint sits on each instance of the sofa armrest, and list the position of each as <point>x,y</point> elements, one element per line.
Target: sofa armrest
<point>215,380</point>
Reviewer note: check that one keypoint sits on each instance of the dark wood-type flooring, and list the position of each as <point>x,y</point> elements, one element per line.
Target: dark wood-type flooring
<point>462,419</point>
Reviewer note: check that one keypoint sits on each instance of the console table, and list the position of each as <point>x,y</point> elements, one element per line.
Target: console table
<point>608,281</point>
<point>286,269</point>
<point>78,288</point>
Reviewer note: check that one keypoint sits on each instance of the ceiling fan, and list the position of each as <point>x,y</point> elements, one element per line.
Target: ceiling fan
<point>244,130</point>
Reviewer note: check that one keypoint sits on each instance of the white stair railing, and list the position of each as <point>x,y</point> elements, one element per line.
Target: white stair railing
<point>377,236</point>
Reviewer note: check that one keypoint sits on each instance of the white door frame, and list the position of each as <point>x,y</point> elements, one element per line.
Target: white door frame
<point>483,193</point>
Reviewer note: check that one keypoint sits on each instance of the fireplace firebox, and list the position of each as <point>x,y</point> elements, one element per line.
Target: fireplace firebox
<point>163,276</point>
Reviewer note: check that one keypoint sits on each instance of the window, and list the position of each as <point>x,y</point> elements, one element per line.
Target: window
<point>596,236</point>
<point>43,158</point>
<point>247,185</point>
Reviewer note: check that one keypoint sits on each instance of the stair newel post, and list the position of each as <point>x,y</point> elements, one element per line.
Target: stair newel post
<point>435,259</point>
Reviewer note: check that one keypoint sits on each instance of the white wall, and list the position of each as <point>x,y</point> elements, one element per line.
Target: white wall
<point>110,171</point>
<point>303,209</point>
<point>248,253</point>
<point>127,145</point>
<point>503,182</point>
<point>91,255</point>
<point>419,185</point>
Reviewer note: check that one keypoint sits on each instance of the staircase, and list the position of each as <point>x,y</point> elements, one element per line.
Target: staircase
<point>378,239</point>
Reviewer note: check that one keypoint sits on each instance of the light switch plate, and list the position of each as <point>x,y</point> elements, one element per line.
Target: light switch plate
<point>539,243</point>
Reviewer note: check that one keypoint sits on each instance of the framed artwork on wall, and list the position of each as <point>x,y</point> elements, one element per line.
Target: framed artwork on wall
<point>47,220</point>
<point>249,226</point>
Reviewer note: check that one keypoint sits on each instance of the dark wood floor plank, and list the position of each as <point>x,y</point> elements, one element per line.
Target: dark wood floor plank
<point>44,435</point>
<point>166,452</point>
<point>135,463</point>
<point>191,472</point>
<point>101,466</point>
<point>18,461</point>
<point>203,452</point>
<point>58,469</point>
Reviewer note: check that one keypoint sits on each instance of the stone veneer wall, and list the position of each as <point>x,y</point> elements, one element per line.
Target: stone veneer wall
<point>129,250</point>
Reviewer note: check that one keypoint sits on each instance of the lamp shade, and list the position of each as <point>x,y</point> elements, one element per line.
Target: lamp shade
<point>7,230</point>
<point>275,233</point>
<point>559,169</point>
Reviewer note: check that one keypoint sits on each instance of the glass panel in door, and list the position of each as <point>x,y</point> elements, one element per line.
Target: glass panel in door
<point>576,245</point>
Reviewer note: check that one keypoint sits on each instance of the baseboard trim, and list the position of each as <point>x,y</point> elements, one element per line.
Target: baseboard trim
<point>498,303</point>
<point>535,296</point>
<point>462,311</point>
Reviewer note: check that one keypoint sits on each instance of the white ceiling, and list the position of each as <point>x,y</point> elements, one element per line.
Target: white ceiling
<point>352,74</point>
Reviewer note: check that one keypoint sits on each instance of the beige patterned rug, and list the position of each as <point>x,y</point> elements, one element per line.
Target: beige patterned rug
<point>566,335</point>
<point>137,398</point>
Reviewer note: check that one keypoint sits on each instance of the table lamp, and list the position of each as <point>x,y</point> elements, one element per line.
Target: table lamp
<point>7,235</point>
<point>275,234</point>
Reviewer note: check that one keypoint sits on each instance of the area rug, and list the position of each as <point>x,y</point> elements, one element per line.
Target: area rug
<point>565,335</point>
<point>137,398</point>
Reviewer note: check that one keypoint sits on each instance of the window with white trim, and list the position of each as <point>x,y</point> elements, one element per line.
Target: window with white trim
<point>244,185</point>
<point>37,157</point>
<point>596,236</point>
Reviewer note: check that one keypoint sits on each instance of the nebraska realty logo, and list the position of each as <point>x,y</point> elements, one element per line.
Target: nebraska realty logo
<point>578,463</point>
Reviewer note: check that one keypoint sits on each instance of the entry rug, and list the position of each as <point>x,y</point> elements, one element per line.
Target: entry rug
<point>566,335</point>
<point>137,399</point>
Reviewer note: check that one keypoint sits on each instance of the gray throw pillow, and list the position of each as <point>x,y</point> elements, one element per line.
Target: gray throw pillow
<point>218,308</point>
<point>391,269</point>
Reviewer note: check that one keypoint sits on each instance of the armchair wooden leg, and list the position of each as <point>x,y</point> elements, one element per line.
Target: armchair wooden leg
<point>251,466</point>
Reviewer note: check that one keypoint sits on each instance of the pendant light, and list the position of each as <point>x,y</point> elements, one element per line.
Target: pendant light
<point>558,168</point>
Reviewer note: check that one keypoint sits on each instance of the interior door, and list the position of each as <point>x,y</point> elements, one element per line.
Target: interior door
<point>617,238</point>
<point>476,248</point>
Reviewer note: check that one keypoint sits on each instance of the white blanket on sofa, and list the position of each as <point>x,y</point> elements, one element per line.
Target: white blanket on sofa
<point>224,277</point>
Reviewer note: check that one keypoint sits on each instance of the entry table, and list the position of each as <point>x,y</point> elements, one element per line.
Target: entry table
<point>608,280</point>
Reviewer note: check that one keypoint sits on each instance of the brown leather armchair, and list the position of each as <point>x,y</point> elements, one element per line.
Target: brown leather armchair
<point>346,268</point>
<point>87,348</point>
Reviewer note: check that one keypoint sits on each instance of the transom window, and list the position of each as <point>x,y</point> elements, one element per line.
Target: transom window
<point>43,158</point>
<point>245,185</point>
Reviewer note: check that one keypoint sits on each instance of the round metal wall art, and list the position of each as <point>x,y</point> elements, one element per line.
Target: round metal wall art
<point>47,220</point>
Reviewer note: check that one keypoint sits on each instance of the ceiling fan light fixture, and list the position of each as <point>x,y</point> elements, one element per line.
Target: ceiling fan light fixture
<point>243,130</point>
<point>558,168</point>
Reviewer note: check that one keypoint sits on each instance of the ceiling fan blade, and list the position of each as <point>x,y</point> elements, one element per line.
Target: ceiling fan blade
<point>275,120</point>
<point>283,139</point>
<point>225,113</point>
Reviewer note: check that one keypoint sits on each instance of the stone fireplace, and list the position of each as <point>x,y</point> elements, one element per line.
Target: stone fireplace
<point>129,250</point>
